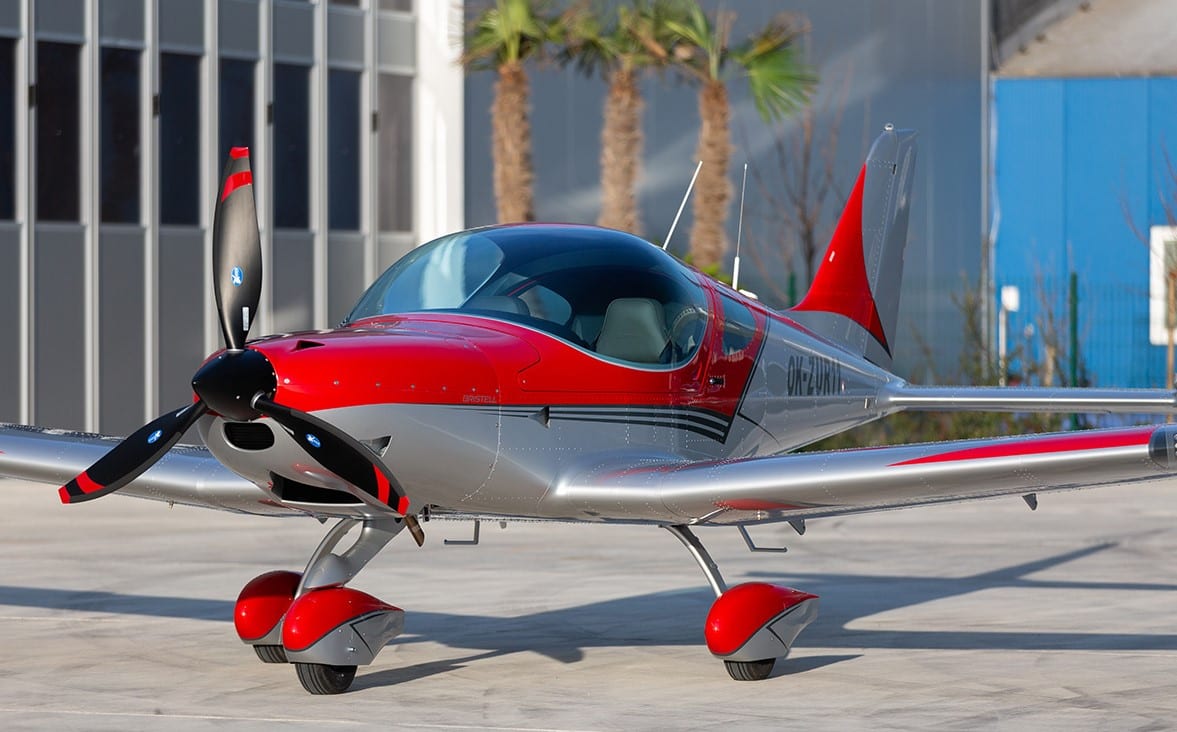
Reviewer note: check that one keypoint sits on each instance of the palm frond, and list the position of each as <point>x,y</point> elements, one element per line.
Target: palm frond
<point>780,82</point>
<point>510,31</point>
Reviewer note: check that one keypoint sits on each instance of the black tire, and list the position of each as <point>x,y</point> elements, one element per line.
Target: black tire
<point>270,654</point>
<point>319,678</point>
<point>750,670</point>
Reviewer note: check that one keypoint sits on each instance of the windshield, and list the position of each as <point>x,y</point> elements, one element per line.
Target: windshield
<point>604,291</point>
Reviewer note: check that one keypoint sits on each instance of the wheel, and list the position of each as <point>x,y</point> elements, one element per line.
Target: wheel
<point>750,670</point>
<point>319,678</point>
<point>270,654</point>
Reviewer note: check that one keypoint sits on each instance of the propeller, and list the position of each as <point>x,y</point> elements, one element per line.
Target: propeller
<point>239,383</point>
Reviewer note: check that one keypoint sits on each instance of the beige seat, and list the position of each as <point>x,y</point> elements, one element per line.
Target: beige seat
<point>502,303</point>
<point>634,330</point>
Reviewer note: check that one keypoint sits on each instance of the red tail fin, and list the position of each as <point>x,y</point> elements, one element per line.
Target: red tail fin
<point>854,298</point>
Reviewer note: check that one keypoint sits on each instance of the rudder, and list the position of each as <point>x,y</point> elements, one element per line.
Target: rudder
<point>854,298</point>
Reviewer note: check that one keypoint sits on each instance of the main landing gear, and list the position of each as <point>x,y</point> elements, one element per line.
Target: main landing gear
<point>751,625</point>
<point>312,620</point>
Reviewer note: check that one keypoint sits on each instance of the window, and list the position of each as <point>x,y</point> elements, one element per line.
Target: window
<point>602,291</point>
<point>343,149</point>
<point>179,139</point>
<point>739,326</point>
<point>58,179</point>
<point>395,145</point>
<point>119,132</point>
<point>291,146</point>
<point>236,100</point>
<point>404,6</point>
<point>7,128</point>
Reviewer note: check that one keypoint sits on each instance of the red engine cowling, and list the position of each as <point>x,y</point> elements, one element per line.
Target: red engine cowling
<point>757,621</point>
<point>258,613</point>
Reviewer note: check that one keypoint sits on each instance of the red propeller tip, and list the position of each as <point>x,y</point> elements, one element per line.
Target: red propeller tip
<point>239,152</point>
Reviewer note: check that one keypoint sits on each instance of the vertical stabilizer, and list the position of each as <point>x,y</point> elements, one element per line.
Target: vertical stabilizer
<point>854,299</point>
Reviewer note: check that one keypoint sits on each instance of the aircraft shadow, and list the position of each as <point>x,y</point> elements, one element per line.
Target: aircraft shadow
<point>676,619</point>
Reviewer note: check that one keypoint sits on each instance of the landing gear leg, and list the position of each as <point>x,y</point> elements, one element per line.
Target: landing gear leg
<point>313,620</point>
<point>750,625</point>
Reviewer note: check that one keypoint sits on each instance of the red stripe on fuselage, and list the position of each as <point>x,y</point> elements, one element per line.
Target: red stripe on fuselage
<point>1043,445</point>
<point>453,358</point>
<point>235,181</point>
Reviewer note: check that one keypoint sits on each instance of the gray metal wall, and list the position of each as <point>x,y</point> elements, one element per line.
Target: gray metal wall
<point>106,312</point>
<point>916,63</point>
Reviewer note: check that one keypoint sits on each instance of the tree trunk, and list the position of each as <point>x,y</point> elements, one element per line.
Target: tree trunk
<point>511,145</point>
<point>621,152</point>
<point>713,189</point>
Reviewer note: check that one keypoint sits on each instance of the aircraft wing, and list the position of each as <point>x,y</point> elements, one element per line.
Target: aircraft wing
<point>187,474</point>
<point>800,485</point>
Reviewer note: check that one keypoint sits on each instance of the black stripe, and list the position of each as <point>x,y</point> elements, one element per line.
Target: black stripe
<point>704,422</point>
<point>714,434</point>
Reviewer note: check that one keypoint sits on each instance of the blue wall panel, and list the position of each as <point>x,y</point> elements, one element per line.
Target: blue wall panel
<point>1079,170</point>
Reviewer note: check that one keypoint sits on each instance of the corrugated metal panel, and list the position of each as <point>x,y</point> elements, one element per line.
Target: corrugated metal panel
<point>120,330</point>
<point>10,354</point>
<point>1079,165</point>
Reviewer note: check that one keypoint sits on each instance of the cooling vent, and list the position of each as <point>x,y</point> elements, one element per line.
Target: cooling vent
<point>292,491</point>
<point>249,435</point>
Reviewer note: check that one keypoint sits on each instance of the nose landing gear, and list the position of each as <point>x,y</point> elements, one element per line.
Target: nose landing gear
<point>311,620</point>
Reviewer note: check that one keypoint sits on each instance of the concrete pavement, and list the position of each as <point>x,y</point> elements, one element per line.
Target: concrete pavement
<point>116,615</point>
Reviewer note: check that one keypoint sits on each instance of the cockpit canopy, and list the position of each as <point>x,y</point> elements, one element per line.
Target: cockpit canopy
<point>601,290</point>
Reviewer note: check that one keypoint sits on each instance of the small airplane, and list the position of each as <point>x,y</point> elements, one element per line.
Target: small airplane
<point>573,373</point>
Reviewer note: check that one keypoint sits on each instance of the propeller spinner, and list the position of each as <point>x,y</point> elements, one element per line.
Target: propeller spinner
<point>238,383</point>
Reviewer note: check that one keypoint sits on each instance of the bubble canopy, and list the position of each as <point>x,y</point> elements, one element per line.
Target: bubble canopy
<point>601,290</point>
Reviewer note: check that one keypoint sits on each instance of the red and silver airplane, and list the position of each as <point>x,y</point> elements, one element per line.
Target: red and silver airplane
<point>577,374</point>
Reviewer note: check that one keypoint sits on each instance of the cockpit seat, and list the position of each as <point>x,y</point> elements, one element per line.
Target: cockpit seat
<point>500,303</point>
<point>634,330</point>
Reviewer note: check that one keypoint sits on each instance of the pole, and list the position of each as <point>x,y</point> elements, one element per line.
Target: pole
<point>1073,304</point>
<point>1002,324</point>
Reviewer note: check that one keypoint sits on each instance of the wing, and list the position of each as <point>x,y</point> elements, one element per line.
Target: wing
<point>187,474</point>
<point>802,485</point>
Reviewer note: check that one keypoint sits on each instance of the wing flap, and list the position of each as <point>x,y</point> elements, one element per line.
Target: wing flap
<point>871,479</point>
<point>187,474</point>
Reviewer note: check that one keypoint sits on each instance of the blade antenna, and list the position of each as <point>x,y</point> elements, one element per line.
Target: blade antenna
<point>681,206</point>
<point>739,233</point>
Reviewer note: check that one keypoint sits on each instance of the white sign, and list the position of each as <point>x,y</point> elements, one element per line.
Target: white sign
<point>1162,243</point>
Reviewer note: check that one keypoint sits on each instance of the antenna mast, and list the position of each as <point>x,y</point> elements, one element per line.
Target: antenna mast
<point>681,206</point>
<point>739,233</point>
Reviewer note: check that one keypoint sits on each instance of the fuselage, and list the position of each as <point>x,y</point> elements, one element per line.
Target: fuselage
<point>481,405</point>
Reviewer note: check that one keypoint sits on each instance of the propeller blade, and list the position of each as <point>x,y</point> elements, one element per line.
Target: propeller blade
<point>338,452</point>
<point>132,456</point>
<point>237,251</point>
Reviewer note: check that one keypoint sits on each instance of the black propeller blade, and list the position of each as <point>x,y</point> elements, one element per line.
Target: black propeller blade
<point>237,251</point>
<point>340,453</point>
<point>238,383</point>
<point>132,456</point>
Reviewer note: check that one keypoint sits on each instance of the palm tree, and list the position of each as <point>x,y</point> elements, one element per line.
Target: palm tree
<point>501,38</point>
<point>639,39</point>
<point>779,83</point>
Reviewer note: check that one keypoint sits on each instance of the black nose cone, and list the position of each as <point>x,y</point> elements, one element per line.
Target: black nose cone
<point>229,382</point>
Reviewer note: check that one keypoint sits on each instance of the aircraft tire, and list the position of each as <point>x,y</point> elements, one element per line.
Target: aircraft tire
<point>750,670</point>
<point>319,678</point>
<point>270,654</point>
